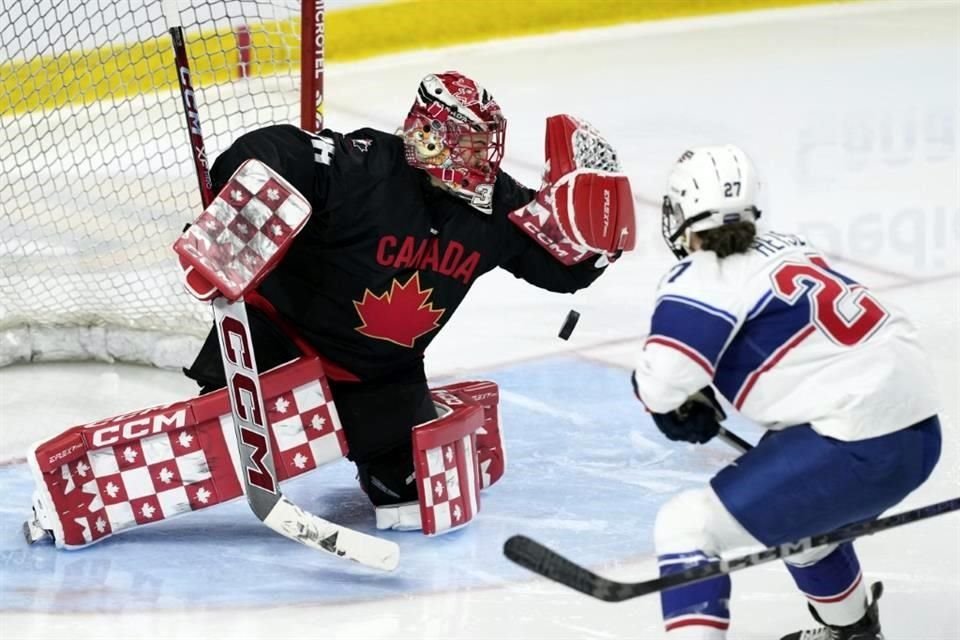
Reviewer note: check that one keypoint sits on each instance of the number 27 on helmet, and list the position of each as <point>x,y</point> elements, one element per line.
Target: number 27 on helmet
<point>708,187</point>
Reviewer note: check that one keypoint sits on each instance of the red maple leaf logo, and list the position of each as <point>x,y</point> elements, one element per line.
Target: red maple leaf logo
<point>400,315</point>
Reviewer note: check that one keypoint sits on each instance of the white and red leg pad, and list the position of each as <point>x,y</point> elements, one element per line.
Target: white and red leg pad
<point>445,462</point>
<point>446,469</point>
<point>240,236</point>
<point>491,451</point>
<point>105,477</point>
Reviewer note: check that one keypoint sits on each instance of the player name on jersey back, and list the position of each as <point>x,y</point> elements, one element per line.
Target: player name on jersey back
<point>772,242</point>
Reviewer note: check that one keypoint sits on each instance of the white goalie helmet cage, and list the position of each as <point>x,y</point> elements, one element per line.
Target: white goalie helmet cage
<point>708,187</point>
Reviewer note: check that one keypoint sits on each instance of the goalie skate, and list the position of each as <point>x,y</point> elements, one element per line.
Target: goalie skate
<point>36,529</point>
<point>33,532</point>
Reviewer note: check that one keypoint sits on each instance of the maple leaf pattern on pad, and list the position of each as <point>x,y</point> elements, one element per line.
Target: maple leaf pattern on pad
<point>300,460</point>
<point>400,315</point>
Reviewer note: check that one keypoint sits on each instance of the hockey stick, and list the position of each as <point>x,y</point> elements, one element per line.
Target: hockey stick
<point>187,95</point>
<point>259,475</point>
<point>734,440</point>
<point>534,556</point>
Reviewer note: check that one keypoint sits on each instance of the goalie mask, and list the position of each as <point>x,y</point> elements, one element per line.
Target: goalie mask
<point>455,132</point>
<point>708,188</point>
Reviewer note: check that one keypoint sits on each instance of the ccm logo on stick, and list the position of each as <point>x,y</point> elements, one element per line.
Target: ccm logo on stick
<point>246,398</point>
<point>190,102</point>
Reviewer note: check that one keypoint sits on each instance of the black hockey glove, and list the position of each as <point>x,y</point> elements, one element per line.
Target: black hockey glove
<point>697,420</point>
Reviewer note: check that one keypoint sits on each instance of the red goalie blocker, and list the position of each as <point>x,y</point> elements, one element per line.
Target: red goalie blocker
<point>139,468</point>
<point>245,231</point>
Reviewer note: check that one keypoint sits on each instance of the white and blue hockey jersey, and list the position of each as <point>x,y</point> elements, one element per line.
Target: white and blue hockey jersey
<point>787,340</point>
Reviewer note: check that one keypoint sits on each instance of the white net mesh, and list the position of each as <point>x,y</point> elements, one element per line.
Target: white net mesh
<point>96,175</point>
<point>592,151</point>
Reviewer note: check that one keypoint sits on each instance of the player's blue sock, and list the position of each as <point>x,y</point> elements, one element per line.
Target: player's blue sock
<point>834,586</point>
<point>700,610</point>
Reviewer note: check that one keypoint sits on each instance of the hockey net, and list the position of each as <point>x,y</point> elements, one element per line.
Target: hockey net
<point>96,172</point>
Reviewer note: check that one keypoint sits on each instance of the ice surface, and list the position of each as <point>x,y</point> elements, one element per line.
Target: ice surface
<point>851,114</point>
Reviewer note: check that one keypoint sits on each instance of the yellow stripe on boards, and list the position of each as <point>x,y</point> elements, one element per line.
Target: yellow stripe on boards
<point>116,71</point>
<point>372,30</point>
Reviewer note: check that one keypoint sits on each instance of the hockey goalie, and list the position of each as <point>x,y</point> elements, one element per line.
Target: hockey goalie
<point>351,252</point>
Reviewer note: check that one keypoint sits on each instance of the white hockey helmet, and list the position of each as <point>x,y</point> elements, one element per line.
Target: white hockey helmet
<point>708,188</point>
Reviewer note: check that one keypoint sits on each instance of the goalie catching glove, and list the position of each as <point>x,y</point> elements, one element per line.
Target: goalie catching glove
<point>585,206</point>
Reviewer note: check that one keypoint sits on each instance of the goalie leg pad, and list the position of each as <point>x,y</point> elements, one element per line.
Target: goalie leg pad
<point>139,468</point>
<point>446,470</point>
<point>491,450</point>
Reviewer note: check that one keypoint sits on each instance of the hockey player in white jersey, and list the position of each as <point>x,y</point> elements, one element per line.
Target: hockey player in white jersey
<point>835,375</point>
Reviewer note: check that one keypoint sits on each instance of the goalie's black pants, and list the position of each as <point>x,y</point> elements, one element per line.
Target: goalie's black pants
<point>377,415</point>
<point>382,415</point>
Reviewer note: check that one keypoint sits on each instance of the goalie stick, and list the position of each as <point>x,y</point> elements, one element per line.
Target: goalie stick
<point>534,556</point>
<point>258,472</point>
<point>259,475</point>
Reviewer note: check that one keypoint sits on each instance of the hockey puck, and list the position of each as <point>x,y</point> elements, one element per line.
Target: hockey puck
<point>569,324</point>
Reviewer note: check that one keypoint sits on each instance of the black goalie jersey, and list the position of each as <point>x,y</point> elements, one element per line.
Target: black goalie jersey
<point>386,257</point>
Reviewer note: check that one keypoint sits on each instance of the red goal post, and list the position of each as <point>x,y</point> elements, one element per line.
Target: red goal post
<point>311,65</point>
<point>98,179</point>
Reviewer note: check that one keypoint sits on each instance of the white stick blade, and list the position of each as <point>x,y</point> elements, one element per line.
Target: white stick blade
<point>293,522</point>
